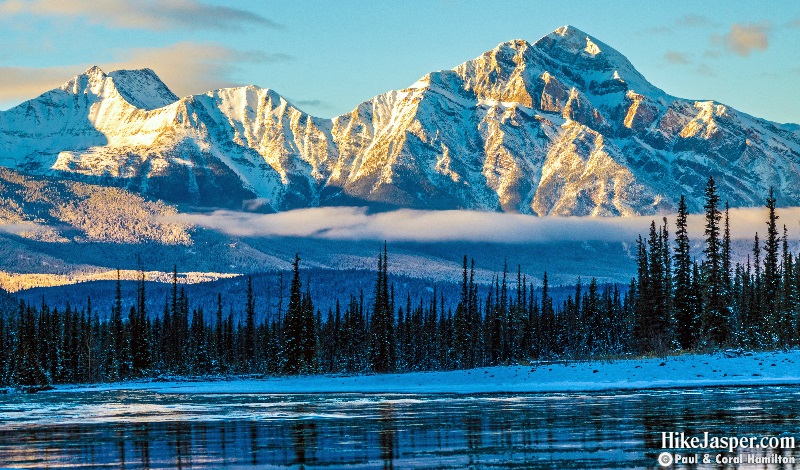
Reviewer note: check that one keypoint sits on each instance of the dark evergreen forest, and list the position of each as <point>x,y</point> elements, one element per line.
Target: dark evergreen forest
<point>675,303</point>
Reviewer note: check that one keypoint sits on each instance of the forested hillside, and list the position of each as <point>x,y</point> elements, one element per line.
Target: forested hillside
<point>675,303</point>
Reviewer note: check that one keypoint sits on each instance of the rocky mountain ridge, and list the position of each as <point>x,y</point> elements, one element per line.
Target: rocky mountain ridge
<point>561,126</point>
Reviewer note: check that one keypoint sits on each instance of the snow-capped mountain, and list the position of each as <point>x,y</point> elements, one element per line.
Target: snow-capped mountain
<point>564,126</point>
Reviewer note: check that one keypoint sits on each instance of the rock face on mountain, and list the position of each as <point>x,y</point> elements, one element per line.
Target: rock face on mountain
<point>562,126</point>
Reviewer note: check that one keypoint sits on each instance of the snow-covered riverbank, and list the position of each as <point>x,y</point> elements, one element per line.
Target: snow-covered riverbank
<point>749,369</point>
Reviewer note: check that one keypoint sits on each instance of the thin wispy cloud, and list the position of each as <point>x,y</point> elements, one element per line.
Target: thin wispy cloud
<point>156,15</point>
<point>686,21</point>
<point>20,83</point>
<point>744,39</point>
<point>657,30</point>
<point>705,70</point>
<point>313,104</point>
<point>186,67</point>
<point>191,68</point>
<point>693,21</point>
<point>776,75</point>
<point>678,58</point>
<point>352,223</point>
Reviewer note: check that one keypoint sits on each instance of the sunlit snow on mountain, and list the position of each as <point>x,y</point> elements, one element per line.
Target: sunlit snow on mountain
<point>562,126</point>
<point>113,169</point>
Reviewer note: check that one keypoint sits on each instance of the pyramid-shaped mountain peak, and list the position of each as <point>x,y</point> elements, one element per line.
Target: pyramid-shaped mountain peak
<point>91,78</point>
<point>570,41</point>
<point>143,88</point>
<point>94,71</point>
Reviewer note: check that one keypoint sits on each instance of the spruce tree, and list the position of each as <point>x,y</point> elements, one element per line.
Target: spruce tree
<point>521,328</point>
<point>5,348</point>
<point>199,356</point>
<point>250,325</point>
<point>755,329</point>
<point>666,262</point>
<point>293,324</point>
<point>547,322</point>
<point>657,319</point>
<point>726,254</point>
<point>28,370</point>
<point>140,331</point>
<point>682,304</point>
<point>698,308</point>
<point>593,320</point>
<point>503,317</point>
<point>461,323</point>
<point>309,333</point>
<point>382,353</point>
<point>219,332</point>
<point>172,324</point>
<point>117,334</point>
<point>788,307</point>
<point>644,303</point>
<point>716,314</point>
<point>771,277</point>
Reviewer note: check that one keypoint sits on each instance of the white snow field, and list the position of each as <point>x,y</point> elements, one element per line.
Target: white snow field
<point>687,371</point>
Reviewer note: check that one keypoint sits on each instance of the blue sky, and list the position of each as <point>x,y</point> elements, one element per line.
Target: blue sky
<point>328,56</point>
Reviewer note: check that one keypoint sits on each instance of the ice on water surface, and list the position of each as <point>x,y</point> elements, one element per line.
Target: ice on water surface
<point>147,429</point>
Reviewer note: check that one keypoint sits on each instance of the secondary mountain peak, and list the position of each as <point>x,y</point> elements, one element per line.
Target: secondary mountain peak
<point>92,78</point>
<point>143,88</point>
<point>94,71</point>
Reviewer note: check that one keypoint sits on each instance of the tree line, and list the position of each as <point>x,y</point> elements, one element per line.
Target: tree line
<point>682,303</point>
<point>675,303</point>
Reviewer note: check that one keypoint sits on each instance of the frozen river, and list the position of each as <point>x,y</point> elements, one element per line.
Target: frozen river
<point>146,429</point>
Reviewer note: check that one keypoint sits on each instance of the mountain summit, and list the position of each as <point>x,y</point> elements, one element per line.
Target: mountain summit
<point>562,126</point>
<point>143,89</point>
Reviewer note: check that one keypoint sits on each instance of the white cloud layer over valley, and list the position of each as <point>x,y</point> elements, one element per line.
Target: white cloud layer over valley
<point>355,223</point>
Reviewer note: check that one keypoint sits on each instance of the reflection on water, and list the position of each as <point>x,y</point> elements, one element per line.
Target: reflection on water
<point>134,430</point>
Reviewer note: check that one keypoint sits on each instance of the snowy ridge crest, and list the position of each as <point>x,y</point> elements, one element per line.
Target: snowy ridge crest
<point>562,126</point>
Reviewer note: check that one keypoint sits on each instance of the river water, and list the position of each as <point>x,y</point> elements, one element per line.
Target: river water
<point>144,429</point>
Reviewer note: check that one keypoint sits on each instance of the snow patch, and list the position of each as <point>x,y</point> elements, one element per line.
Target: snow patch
<point>591,48</point>
<point>688,371</point>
